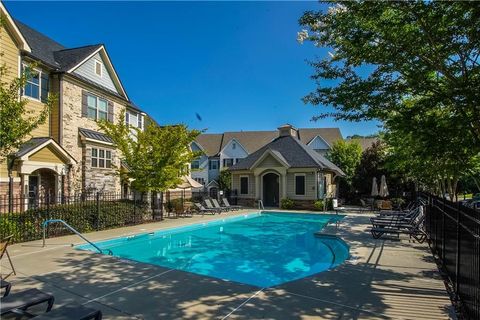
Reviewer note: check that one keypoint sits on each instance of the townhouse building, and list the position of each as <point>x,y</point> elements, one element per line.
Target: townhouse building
<point>67,154</point>
<point>224,150</point>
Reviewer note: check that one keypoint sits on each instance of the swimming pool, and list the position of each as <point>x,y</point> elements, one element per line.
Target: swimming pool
<point>261,249</point>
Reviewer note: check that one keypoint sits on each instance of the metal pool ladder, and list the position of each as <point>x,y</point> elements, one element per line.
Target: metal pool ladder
<point>260,205</point>
<point>46,222</point>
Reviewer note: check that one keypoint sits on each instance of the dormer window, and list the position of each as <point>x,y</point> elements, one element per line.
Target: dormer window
<point>234,146</point>
<point>98,68</point>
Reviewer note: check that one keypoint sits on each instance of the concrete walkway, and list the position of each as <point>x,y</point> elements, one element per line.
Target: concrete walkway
<point>382,280</point>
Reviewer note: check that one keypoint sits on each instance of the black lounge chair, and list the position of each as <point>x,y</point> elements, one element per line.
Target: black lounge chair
<point>25,299</point>
<point>78,312</point>
<point>228,205</point>
<point>203,210</point>
<point>217,205</point>
<point>5,285</point>
<point>397,220</point>
<point>413,230</point>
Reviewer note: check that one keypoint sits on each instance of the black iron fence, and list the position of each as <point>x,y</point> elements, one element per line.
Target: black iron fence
<point>454,236</point>
<point>22,216</point>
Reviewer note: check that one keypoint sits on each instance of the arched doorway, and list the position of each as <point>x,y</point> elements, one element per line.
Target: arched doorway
<point>271,189</point>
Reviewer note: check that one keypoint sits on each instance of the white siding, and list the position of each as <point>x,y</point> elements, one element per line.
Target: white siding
<point>202,172</point>
<point>318,144</point>
<point>231,152</point>
<point>87,70</point>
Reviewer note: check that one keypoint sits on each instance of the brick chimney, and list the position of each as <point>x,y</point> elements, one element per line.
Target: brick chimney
<point>287,130</point>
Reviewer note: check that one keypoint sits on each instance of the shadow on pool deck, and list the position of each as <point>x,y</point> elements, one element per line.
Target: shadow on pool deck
<point>385,280</point>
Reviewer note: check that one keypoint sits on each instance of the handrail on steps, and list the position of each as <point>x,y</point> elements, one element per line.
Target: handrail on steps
<point>46,222</point>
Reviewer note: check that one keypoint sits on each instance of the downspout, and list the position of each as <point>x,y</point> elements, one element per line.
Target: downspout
<point>10,161</point>
<point>60,109</point>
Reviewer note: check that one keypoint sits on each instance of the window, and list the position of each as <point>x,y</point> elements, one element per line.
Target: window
<point>98,68</point>
<point>234,146</point>
<point>101,158</point>
<point>200,180</point>
<point>213,165</point>
<point>243,185</point>
<point>37,84</point>
<point>195,164</point>
<point>134,119</point>
<point>97,108</point>
<point>300,184</point>
<point>227,163</point>
<point>140,121</point>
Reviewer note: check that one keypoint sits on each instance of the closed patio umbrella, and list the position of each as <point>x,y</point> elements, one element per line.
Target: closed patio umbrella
<point>374,187</point>
<point>188,183</point>
<point>383,187</point>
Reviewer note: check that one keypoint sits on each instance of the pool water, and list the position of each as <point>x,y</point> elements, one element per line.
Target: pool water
<point>260,249</point>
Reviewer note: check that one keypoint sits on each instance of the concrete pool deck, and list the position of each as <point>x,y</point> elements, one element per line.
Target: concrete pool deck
<point>383,280</point>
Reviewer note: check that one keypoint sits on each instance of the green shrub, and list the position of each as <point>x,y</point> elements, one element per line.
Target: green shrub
<point>329,204</point>
<point>287,203</point>
<point>318,205</point>
<point>84,216</point>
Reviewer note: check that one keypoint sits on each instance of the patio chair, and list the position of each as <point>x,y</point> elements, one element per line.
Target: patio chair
<point>202,209</point>
<point>209,205</point>
<point>4,252</point>
<point>227,205</point>
<point>397,219</point>
<point>72,312</point>
<point>5,285</point>
<point>413,229</point>
<point>25,299</point>
<point>216,205</point>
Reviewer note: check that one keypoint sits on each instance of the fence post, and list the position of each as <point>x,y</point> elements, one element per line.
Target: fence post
<point>457,258</point>
<point>97,220</point>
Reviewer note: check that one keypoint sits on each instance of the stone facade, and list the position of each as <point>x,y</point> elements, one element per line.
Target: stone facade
<point>83,176</point>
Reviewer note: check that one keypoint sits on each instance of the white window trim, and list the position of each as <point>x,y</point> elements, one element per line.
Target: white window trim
<point>248,184</point>
<point>24,65</point>
<point>96,106</point>
<point>196,160</point>
<point>95,68</point>
<point>218,164</point>
<point>99,158</point>
<point>304,184</point>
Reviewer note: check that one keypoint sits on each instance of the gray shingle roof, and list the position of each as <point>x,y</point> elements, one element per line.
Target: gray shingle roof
<point>254,140</point>
<point>90,134</point>
<point>365,143</point>
<point>43,47</point>
<point>295,153</point>
<point>30,145</point>
<point>69,58</point>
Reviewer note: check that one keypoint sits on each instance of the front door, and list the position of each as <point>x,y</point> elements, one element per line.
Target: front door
<point>271,190</point>
<point>32,191</point>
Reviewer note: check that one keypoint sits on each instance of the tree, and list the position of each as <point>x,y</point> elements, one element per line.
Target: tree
<point>16,122</point>
<point>346,155</point>
<point>385,51</point>
<point>225,180</point>
<point>156,157</point>
<point>414,65</point>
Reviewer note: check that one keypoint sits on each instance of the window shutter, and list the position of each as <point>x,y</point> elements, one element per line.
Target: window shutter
<point>127,117</point>
<point>84,104</point>
<point>110,111</point>
<point>44,86</point>
<point>140,120</point>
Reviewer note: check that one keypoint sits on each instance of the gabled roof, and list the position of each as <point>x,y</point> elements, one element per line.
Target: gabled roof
<point>365,143</point>
<point>68,58</point>
<point>42,47</point>
<point>9,22</point>
<point>33,145</point>
<point>254,140</point>
<point>30,145</point>
<point>63,59</point>
<point>210,143</point>
<point>94,135</point>
<point>295,153</point>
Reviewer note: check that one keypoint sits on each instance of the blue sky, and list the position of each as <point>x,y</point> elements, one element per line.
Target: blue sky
<point>237,64</point>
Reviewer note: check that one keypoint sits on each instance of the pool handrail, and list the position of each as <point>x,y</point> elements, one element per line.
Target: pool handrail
<point>46,222</point>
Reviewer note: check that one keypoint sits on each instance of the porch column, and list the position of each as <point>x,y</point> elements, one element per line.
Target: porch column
<point>284,185</point>
<point>257,187</point>
<point>24,191</point>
